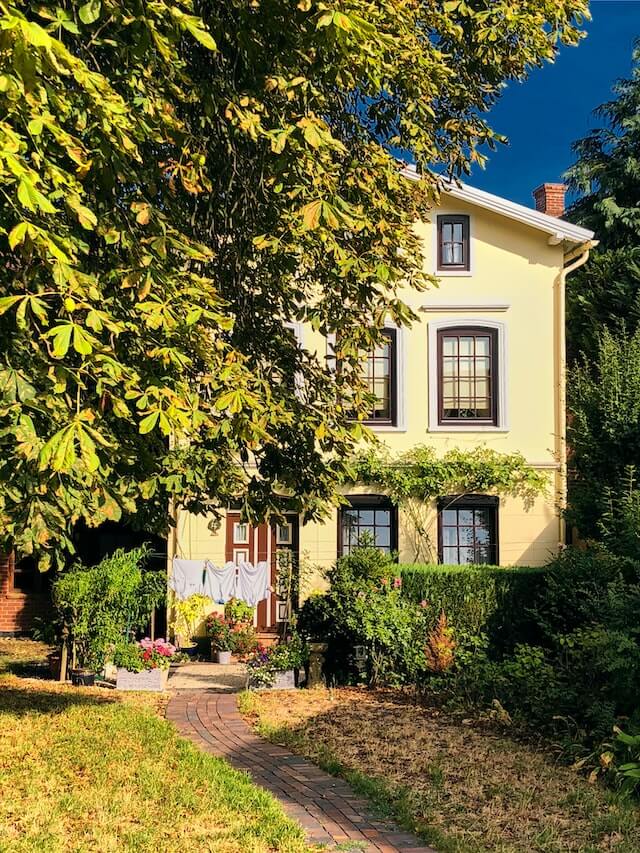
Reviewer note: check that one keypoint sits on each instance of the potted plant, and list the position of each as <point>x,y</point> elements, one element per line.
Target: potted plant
<point>219,629</point>
<point>275,667</point>
<point>239,616</point>
<point>188,613</point>
<point>143,665</point>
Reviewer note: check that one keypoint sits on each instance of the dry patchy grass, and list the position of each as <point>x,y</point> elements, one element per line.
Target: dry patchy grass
<point>464,787</point>
<point>23,656</point>
<point>88,769</point>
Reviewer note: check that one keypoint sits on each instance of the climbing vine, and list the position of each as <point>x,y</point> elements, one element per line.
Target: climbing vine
<point>414,478</point>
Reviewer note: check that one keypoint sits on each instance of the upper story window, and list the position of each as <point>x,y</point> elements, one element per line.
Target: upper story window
<point>369,520</point>
<point>380,374</point>
<point>468,530</point>
<point>468,376</point>
<point>453,243</point>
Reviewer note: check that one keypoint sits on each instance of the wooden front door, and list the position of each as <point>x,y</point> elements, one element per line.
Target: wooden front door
<point>277,545</point>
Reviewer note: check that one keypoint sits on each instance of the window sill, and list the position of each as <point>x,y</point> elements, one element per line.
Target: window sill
<point>453,273</point>
<point>454,428</point>
<point>387,428</point>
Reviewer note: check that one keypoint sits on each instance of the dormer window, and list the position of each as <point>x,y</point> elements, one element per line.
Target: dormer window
<point>453,243</point>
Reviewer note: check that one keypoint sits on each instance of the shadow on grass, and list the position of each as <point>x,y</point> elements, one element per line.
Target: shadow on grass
<point>20,699</point>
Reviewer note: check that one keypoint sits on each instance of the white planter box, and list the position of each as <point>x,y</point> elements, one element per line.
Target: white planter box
<point>148,679</point>
<point>284,681</point>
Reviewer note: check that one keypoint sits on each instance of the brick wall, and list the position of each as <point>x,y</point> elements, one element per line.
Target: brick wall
<point>18,609</point>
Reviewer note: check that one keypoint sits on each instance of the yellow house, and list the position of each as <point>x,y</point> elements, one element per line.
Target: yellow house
<point>484,366</point>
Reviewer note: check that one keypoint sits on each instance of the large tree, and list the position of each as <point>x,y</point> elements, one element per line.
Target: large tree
<point>603,313</point>
<point>179,183</point>
<point>606,176</point>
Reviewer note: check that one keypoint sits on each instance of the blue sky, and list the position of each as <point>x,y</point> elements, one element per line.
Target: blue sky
<point>545,114</point>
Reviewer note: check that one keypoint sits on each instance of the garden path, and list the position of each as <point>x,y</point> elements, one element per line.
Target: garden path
<point>229,678</point>
<point>327,808</point>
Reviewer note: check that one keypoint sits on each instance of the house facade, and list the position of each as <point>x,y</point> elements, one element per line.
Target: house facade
<point>484,366</point>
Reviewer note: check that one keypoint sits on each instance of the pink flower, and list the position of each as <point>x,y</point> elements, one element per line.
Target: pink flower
<point>397,583</point>
<point>384,581</point>
<point>423,603</point>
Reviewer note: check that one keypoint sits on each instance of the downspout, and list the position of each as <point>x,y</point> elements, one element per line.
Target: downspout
<point>573,260</point>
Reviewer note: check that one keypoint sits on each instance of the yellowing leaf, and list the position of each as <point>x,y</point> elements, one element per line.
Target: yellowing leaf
<point>311,214</point>
<point>17,234</point>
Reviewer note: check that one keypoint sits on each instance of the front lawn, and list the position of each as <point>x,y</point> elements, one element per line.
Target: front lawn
<point>93,770</point>
<point>464,786</point>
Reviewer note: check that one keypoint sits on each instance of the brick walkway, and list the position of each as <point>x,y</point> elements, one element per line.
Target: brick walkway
<point>326,807</point>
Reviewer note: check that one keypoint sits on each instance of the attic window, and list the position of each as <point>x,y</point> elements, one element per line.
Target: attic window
<point>453,243</point>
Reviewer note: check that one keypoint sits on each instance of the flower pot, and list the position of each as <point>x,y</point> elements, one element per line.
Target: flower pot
<point>223,657</point>
<point>55,661</point>
<point>148,679</point>
<point>283,681</point>
<point>83,677</point>
<point>192,650</point>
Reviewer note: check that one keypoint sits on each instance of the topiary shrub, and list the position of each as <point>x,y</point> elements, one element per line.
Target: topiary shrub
<point>477,599</point>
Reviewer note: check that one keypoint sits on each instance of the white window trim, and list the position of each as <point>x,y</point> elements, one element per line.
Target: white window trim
<point>298,331</point>
<point>445,273</point>
<point>401,414</point>
<point>436,326</point>
<point>237,538</point>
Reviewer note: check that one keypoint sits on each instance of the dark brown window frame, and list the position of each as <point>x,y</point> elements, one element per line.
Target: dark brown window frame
<point>392,336</point>
<point>454,219</point>
<point>469,331</point>
<point>471,502</point>
<point>371,502</point>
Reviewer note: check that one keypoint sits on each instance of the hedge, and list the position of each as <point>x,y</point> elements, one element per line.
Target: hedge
<point>477,598</point>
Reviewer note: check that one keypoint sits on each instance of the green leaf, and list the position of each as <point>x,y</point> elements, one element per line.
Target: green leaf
<point>61,339</point>
<point>35,126</point>
<point>32,198</point>
<point>17,234</point>
<point>90,12</point>
<point>148,423</point>
<point>81,341</point>
<point>7,301</point>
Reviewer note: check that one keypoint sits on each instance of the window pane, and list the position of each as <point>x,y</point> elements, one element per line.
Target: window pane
<point>383,516</point>
<point>365,516</point>
<point>457,232</point>
<point>482,345</point>
<point>457,253</point>
<point>450,346</point>
<point>449,536</point>
<point>450,556</point>
<point>466,555</point>
<point>447,253</point>
<point>449,516</point>
<point>466,346</point>
<point>383,537</point>
<point>447,232</point>
<point>465,517</point>
<point>466,535</point>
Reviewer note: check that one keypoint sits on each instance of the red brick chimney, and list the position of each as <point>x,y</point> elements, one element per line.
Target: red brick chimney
<point>550,199</point>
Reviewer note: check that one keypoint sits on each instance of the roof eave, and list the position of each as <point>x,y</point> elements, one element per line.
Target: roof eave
<point>558,230</point>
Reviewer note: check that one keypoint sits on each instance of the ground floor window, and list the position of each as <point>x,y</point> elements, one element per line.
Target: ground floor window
<point>368,519</point>
<point>468,529</point>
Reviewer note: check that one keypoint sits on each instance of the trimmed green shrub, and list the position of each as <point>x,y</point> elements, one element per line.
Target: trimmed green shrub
<point>478,599</point>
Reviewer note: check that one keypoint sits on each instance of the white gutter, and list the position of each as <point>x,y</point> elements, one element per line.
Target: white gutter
<point>576,258</point>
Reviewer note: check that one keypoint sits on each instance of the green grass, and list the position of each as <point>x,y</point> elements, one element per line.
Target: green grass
<point>88,770</point>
